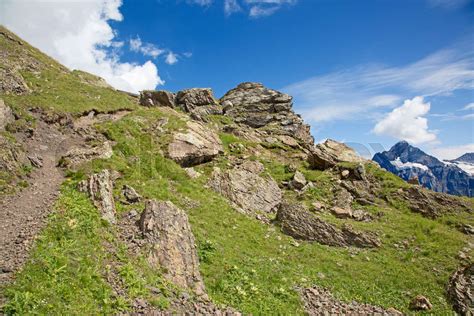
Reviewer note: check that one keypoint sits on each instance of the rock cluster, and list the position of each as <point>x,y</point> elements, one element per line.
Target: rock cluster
<point>329,153</point>
<point>318,301</point>
<point>6,115</point>
<point>247,189</point>
<point>254,105</point>
<point>460,290</point>
<point>296,221</point>
<point>172,244</point>
<point>195,146</point>
<point>99,187</point>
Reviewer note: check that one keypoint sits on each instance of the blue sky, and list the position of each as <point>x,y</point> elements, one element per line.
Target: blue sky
<point>360,71</point>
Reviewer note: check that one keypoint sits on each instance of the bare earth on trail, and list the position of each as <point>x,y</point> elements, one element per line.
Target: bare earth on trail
<point>23,214</point>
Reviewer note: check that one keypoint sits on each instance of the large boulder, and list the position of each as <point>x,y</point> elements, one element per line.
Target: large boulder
<point>247,189</point>
<point>461,290</point>
<point>83,153</point>
<point>172,244</point>
<point>6,115</point>
<point>99,188</point>
<point>199,102</point>
<point>296,221</point>
<point>153,98</point>
<point>328,154</point>
<point>254,105</point>
<point>195,146</point>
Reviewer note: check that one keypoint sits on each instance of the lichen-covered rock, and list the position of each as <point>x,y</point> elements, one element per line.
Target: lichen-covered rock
<point>319,301</point>
<point>195,146</point>
<point>130,194</point>
<point>328,154</point>
<point>460,290</point>
<point>432,204</point>
<point>153,98</point>
<point>6,115</point>
<point>191,99</point>
<point>99,187</point>
<point>296,221</point>
<point>247,189</point>
<point>420,303</point>
<point>254,105</point>
<point>80,154</point>
<point>172,244</point>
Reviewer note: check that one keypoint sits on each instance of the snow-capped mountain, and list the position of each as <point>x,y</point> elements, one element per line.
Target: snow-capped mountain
<point>406,161</point>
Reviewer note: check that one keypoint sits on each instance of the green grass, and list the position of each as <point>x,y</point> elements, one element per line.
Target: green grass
<point>255,268</point>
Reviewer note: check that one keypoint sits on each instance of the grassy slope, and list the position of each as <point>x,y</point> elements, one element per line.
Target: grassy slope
<point>244,263</point>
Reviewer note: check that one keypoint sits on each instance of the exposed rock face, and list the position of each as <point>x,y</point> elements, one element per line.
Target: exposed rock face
<point>99,187</point>
<point>420,303</point>
<point>198,145</point>
<point>299,181</point>
<point>409,162</point>
<point>318,301</point>
<point>199,102</point>
<point>12,155</point>
<point>431,204</point>
<point>6,115</point>
<point>172,244</point>
<point>329,153</point>
<point>130,194</point>
<point>296,221</point>
<point>12,82</point>
<point>244,186</point>
<point>78,155</point>
<point>259,107</point>
<point>152,98</point>
<point>461,290</point>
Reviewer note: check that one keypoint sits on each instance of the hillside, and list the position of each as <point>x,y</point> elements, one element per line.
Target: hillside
<point>173,203</point>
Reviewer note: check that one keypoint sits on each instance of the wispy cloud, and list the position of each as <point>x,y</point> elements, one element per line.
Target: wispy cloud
<point>171,58</point>
<point>452,152</point>
<point>147,49</point>
<point>354,92</point>
<point>231,7</point>
<point>261,8</point>
<point>448,4</point>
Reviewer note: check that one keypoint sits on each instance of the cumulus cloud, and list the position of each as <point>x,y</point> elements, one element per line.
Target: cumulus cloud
<point>171,58</point>
<point>452,152</point>
<point>147,49</point>
<point>353,93</point>
<point>78,34</point>
<point>407,122</point>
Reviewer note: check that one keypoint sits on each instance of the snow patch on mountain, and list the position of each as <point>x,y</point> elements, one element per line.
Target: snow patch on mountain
<point>400,165</point>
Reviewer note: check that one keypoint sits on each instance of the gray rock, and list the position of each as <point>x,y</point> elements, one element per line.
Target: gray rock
<point>172,244</point>
<point>193,174</point>
<point>130,194</point>
<point>191,99</point>
<point>420,303</point>
<point>153,98</point>
<point>328,154</point>
<point>460,290</point>
<point>254,105</point>
<point>249,191</point>
<point>296,221</point>
<point>36,161</point>
<point>341,212</point>
<point>299,181</point>
<point>197,145</point>
<point>99,187</point>
<point>12,82</point>
<point>81,154</point>
<point>6,115</point>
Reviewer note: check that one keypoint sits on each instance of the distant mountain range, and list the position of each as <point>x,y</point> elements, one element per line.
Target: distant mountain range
<point>451,176</point>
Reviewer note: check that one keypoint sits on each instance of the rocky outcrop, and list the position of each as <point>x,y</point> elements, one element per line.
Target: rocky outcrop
<point>431,204</point>
<point>153,98</point>
<point>254,105</point>
<point>330,153</point>
<point>130,194</point>
<point>171,244</point>
<point>460,290</point>
<point>247,189</point>
<point>420,303</point>
<point>12,82</point>
<point>6,115</point>
<point>80,154</point>
<point>296,221</point>
<point>99,187</point>
<point>319,301</point>
<point>12,155</point>
<point>196,146</point>
<point>199,102</point>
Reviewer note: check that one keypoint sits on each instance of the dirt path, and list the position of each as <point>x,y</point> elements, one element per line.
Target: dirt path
<point>24,214</point>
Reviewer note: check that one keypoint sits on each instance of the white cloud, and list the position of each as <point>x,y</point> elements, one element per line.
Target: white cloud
<point>171,58</point>
<point>407,122</point>
<point>231,6</point>
<point>452,152</point>
<point>78,34</point>
<point>147,49</point>
<point>203,3</point>
<point>261,8</point>
<point>353,92</point>
<point>469,106</point>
